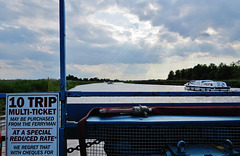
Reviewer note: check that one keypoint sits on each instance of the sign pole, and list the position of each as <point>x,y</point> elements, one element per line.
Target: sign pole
<point>63,99</point>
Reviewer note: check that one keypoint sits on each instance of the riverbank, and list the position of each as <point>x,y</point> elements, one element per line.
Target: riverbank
<point>53,85</point>
<point>41,85</point>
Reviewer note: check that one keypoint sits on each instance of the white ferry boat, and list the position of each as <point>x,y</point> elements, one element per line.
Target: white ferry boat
<point>206,85</point>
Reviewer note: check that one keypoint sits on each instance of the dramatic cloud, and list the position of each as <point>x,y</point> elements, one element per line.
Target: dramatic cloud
<point>116,39</point>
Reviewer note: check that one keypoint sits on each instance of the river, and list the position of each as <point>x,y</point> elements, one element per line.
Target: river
<point>123,87</point>
<point>118,87</point>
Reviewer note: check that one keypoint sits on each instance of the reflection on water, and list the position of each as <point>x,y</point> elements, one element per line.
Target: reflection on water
<point>142,88</point>
<point>126,87</point>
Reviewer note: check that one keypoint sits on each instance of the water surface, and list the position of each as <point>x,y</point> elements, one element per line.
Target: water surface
<point>125,87</point>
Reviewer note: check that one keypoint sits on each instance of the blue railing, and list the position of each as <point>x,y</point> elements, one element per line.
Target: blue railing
<point>74,112</point>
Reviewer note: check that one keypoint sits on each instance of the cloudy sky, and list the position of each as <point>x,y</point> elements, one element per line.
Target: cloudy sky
<point>117,39</point>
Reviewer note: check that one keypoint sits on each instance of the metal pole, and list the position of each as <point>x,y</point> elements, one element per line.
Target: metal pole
<point>62,51</point>
<point>63,99</point>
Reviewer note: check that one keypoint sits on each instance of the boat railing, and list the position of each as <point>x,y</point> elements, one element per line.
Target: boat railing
<point>2,119</point>
<point>78,110</point>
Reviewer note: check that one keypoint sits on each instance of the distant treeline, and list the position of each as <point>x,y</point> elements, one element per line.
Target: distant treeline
<point>212,72</point>
<point>95,79</point>
<point>158,82</point>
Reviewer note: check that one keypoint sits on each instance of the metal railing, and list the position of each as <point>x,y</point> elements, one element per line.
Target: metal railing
<point>2,129</point>
<point>2,119</point>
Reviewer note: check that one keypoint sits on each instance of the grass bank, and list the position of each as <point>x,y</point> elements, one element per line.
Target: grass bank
<point>27,86</point>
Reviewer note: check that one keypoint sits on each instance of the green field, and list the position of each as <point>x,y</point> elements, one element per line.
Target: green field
<point>27,86</point>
